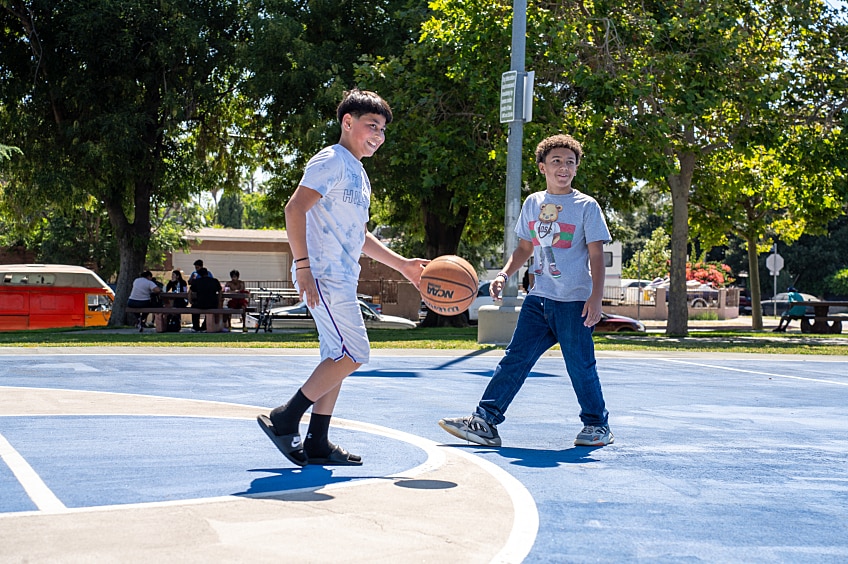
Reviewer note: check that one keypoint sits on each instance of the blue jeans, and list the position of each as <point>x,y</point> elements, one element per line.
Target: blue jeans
<point>542,323</point>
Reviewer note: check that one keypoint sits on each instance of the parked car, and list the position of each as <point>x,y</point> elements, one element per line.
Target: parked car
<point>297,316</point>
<point>483,298</point>
<point>632,290</point>
<point>611,323</point>
<point>780,303</point>
<point>697,293</point>
<point>701,295</point>
<point>744,303</point>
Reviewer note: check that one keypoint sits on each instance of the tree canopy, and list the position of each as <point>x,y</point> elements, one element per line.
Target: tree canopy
<point>130,108</point>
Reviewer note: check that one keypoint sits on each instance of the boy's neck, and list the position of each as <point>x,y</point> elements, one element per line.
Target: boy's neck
<point>559,191</point>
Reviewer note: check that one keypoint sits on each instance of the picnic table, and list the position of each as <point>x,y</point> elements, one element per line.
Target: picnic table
<point>821,321</point>
<point>213,324</point>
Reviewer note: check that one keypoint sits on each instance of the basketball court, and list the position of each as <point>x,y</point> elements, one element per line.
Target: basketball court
<point>140,455</point>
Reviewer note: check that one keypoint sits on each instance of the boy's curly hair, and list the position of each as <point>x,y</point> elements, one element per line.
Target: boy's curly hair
<point>555,141</point>
<point>358,102</point>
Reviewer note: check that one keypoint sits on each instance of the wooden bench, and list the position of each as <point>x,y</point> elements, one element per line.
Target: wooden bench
<point>214,323</point>
<point>821,321</point>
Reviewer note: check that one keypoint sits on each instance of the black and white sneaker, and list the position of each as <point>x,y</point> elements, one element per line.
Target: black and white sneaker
<point>472,428</point>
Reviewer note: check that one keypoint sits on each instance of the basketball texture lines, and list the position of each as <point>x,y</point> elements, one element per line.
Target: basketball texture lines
<point>448,285</point>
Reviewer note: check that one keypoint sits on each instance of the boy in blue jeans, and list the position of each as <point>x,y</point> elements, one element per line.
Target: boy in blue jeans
<point>564,230</point>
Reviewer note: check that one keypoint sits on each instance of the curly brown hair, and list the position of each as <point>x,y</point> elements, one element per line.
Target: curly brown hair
<point>554,141</point>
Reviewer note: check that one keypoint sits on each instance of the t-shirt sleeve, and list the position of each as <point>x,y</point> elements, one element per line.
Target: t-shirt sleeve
<point>529,210</point>
<point>595,225</point>
<point>323,171</point>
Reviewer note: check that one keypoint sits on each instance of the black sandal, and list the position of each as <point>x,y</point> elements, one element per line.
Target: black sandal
<point>337,457</point>
<point>290,445</point>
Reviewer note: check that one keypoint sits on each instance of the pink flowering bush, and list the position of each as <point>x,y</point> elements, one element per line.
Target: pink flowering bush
<point>715,274</point>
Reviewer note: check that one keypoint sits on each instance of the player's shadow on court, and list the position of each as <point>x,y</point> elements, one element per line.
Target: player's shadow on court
<point>546,458</point>
<point>284,480</point>
<point>541,458</point>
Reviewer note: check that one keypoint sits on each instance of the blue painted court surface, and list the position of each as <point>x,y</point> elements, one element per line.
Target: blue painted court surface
<point>718,458</point>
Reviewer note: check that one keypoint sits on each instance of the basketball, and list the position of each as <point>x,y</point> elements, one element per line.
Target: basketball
<point>448,285</point>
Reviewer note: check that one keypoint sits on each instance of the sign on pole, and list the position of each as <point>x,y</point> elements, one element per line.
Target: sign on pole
<point>529,80</point>
<point>509,83</point>
<point>774,262</point>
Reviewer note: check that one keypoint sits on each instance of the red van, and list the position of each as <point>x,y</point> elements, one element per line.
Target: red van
<point>43,296</point>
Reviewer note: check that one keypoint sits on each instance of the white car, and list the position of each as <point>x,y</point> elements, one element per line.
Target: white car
<point>483,298</point>
<point>297,316</point>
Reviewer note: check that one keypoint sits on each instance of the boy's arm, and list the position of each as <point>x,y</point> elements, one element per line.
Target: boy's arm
<point>410,268</point>
<point>592,309</point>
<point>519,256</point>
<point>301,202</point>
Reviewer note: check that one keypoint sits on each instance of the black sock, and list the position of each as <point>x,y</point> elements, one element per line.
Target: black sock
<point>317,444</point>
<point>286,418</point>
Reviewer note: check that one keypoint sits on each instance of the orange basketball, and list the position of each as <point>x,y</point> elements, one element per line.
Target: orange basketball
<point>448,285</point>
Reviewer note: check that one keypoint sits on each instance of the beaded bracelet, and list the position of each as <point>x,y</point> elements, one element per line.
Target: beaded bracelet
<point>504,274</point>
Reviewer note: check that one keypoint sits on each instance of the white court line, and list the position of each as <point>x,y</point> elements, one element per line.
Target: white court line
<point>36,489</point>
<point>521,539</point>
<point>747,371</point>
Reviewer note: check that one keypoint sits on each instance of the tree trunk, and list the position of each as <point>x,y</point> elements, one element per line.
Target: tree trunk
<point>680,184</point>
<point>442,228</point>
<point>754,284</point>
<point>133,241</point>
<point>442,232</point>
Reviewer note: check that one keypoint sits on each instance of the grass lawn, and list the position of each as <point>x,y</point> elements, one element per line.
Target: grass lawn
<point>445,338</point>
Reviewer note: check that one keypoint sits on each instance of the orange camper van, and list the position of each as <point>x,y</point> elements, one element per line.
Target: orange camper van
<point>42,296</point>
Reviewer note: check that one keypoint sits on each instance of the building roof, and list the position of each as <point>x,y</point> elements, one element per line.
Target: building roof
<point>250,235</point>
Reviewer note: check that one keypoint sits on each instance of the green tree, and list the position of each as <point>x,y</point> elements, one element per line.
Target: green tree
<point>661,88</point>
<point>440,174</point>
<point>230,211</point>
<point>760,197</point>
<point>652,260</point>
<point>301,60</point>
<point>127,102</point>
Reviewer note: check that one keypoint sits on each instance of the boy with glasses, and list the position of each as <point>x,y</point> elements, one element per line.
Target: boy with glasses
<point>565,230</point>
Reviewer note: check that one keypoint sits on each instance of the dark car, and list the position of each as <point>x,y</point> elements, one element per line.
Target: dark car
<point>612,323</point>
<point>780,303</point>
<point>744,303</point>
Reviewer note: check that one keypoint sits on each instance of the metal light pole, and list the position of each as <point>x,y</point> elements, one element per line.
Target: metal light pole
<point>496,324</point>
<point>514,145</point>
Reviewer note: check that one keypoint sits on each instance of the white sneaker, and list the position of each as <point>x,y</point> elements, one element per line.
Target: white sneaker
<point>472,428</point>
<point>594,436</point>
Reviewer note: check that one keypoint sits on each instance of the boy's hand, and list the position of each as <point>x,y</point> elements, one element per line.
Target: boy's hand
<point>307,288</point>
<point>496,287</point>
<point>592,311</point>
<point>412,268</point>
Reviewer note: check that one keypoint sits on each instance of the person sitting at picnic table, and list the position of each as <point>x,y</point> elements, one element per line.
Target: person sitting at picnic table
<point>205,294</point>
<point>234,285</point>
<point>144,289</point>
<point>176,285</point>
<point>798,310</point>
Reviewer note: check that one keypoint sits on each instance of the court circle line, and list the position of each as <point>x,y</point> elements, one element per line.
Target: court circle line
<point>525,513</point>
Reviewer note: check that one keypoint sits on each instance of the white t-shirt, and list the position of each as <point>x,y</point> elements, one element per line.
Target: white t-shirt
<point>562,224</point>
<point>142,289</point>
<point>335,226</point>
